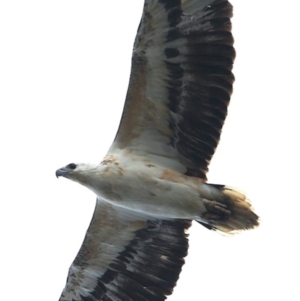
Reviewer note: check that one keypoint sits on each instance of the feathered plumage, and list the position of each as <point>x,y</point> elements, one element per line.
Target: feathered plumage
<point>152,183</point>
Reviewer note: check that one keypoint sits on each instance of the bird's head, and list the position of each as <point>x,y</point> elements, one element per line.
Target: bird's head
<point>80,173</point>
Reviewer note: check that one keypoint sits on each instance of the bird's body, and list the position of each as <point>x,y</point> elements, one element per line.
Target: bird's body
<point>152,182</point>
<point>125,183</point>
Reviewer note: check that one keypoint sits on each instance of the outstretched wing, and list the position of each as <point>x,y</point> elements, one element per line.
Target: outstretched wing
<point>180,84</point>
<point>125,257</point>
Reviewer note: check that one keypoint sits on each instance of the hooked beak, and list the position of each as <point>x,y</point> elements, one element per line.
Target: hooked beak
<point>62,172</point>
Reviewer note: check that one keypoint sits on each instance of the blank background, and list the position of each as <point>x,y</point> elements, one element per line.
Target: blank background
<point>64,69</point>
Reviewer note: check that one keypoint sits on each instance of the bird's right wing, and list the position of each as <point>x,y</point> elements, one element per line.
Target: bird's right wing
<point>125,256</point>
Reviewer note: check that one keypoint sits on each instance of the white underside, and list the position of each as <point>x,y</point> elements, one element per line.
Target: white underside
<point>139,186</point>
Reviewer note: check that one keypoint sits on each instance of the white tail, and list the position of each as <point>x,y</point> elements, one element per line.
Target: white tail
<point>231,211</point>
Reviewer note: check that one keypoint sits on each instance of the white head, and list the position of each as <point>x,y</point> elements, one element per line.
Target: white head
<point>82,173</point>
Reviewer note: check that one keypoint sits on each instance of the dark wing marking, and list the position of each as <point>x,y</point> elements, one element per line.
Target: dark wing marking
<point>127,257</point>
<point>180,84</point>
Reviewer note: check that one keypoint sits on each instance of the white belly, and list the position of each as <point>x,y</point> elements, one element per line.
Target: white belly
<point>149,189</point>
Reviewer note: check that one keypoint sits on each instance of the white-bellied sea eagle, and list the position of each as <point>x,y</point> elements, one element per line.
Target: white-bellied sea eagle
<point>152,183</point>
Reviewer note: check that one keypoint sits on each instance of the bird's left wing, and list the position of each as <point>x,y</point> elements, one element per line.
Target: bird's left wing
<point>180,85</point>
<point>126,256</point>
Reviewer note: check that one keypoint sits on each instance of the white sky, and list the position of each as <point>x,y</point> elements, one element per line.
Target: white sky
<point>64,69</point>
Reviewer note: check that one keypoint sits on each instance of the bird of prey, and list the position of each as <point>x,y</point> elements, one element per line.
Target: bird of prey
<point>152,183</point>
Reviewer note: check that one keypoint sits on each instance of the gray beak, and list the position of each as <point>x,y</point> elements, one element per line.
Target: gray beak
<point>62,172</point>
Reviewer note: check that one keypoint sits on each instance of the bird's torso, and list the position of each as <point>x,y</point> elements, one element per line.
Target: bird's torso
<point>134,183</point>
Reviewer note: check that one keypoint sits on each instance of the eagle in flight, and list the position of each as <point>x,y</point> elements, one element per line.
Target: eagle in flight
<point>152,183</point>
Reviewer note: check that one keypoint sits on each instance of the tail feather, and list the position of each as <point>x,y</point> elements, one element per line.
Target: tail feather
<point>229,212</point>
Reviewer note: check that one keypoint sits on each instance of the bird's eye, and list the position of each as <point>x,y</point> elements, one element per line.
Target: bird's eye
<point>71,166</point>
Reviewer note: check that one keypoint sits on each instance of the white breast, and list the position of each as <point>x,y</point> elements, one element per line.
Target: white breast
<point>147,188</point>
